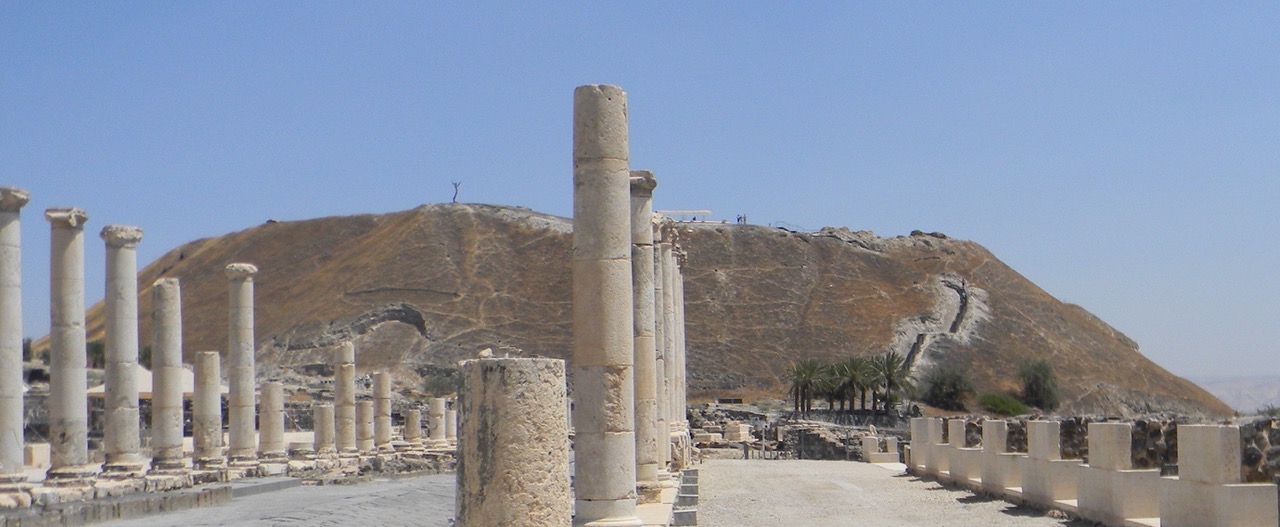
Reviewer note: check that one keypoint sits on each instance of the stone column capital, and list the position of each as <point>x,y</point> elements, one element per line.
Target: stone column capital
<point>70,218</point>
<point>643,183</point>
<point>12,199</point>
<point>241,271</point>
<point>125,236</point>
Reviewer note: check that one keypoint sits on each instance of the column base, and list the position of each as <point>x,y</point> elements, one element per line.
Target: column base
<point>649,492</point>
<point>606,513</point>
<point>168,467</point>
<point>243,462</point>
<point>73,476</point>
<point>117,470</point>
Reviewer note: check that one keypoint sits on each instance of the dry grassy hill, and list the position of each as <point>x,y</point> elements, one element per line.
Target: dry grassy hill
<point>421,289</point>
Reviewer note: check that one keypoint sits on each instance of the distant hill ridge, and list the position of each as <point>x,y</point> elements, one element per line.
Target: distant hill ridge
<point>421,289</point>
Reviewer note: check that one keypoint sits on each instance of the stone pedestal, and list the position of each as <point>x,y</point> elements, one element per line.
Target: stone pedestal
<point>324,431</point>
<point>364,428</point>
<point>121,438</point>
<point>13,481</point>
<point>166,378</point>
<point>435,424</point>
<point>242,450</point>
<point>271,446</point>
<point>344,399</point>
<point>513,453</point>
<point>605,467</point>
<point>382,412</point>
<point>206,413</point>
<point>68,403</point>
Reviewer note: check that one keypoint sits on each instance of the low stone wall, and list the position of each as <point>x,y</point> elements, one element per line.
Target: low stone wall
<point>1117,478</point>
<point>120,508</point>
<point>1260,450</point>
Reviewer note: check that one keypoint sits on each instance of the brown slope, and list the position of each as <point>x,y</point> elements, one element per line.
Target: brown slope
<point>424,288</point>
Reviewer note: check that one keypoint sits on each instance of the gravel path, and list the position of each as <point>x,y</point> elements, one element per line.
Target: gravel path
<point>742,493</point>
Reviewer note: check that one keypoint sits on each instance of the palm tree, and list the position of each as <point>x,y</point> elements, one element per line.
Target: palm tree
<point>856,378</point>
<point>891,374</point>
<point>804,376</point>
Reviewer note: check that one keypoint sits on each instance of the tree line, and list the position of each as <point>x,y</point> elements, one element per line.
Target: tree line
<point>885,377</point>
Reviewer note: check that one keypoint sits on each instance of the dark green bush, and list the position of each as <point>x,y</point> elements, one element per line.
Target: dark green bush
<point>1001,404</point>
<point>1039,385</point>
<point>946,387</point>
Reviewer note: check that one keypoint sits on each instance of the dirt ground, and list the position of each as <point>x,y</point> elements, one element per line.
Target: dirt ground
<point>742,493</point>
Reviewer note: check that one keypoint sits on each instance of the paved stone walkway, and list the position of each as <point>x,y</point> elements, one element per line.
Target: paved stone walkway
<point>742,493</point>
<point>734,493</point>
<point>425,501</point>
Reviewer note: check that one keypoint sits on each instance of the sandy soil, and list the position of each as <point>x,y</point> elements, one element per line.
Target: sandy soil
<point>741,493</point>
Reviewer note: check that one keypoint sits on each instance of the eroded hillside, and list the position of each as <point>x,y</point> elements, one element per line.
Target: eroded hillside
<point>419,290</point>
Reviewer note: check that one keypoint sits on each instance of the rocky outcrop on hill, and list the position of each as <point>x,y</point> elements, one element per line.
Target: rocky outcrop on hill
<point>421,289</point>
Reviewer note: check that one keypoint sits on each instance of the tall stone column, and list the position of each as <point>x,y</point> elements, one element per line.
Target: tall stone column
<point>451,427</point>
<point>12,477</point>
<point>669,330</point>
<point>166,377</point>
<point>660,368</point>
<point>382,412</point>
<point>206,412</point>
<point>513,455</point>
<point>682,388</point>
<point>344,399</point>
<point>242,451</point>
<point>271,445</point>
<point>364,427</point>
<point>435,423</point>
<point>648,488</point>
<point>68,403</point>
<point>322,417</point>
<point>121,439</point>
<point>605,467</point>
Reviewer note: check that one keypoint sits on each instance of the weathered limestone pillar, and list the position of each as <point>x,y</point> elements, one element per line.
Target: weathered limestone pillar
<point>660,367</point>
<point>605,471</point>
<point>451,427</point>
<point>364,427</point>
<point>12,477</point>
<point>682,387</point>
<point>435,423</point>
<point>68,403</point>
<point>322,417</point>
<point>648,486</point>
<point>413,428</point>
<point>513,454</point>
<point>166,377</point>
<point>382,412</point>
<point>344,399</point>
<point>669,330</point>
<point>120,439</point>
<point>242,451</point>
<point>271,445</point>
<point>206,412</point>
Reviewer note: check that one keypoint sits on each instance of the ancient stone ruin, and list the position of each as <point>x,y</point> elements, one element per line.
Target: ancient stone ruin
<point>1155,471</point>
<point>509,432</point>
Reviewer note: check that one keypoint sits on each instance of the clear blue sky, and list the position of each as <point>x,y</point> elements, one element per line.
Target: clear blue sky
<point>1123,155</point>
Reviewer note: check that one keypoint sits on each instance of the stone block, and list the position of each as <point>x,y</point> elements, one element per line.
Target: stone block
<point>36,455</point>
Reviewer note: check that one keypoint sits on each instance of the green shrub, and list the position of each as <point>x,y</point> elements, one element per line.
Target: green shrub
<point>946,387</point>
<point>1001,404</point>
<point>1039,385</point>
